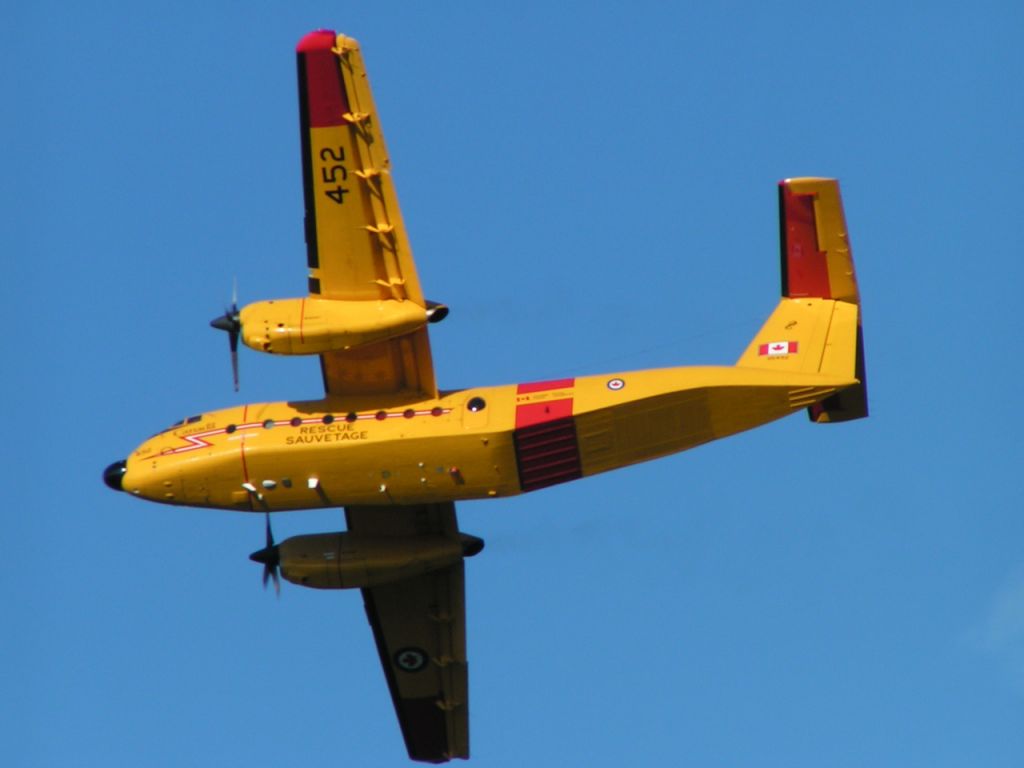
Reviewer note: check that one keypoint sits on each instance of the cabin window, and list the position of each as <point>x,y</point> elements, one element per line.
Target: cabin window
<point>476,404</point>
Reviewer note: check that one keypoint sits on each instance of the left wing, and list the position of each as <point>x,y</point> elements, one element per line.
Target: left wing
<point>356,243</point>
<point>419,626</point>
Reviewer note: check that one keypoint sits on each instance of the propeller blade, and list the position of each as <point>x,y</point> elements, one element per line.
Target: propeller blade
<point>231,323</point>
<point>271,559</point>
<point>234,359</point>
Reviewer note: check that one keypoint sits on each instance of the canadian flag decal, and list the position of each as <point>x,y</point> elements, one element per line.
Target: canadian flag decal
<point>776,348</point>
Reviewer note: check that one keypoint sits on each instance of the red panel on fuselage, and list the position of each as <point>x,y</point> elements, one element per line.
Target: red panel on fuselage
<point>547,451</point>
<point>529,414</point>
<point>532,407</point>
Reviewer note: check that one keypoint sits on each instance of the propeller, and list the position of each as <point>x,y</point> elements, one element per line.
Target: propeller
<point>271,559</point>
<point>231,322</point>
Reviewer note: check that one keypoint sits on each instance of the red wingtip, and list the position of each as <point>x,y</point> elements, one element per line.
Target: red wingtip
<point>324,97</point>
<point>317,41</point>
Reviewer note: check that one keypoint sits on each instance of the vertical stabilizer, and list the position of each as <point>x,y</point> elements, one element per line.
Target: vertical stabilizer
<point>816,328</point>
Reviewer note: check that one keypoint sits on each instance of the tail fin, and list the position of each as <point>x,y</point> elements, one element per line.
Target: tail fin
<point>816,327</point>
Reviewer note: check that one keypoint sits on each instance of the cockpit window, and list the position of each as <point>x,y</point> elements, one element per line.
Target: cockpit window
<point>189,420</point>
<point>181,423</point>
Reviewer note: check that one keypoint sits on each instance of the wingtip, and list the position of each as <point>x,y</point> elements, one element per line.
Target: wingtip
<point>319,40</point>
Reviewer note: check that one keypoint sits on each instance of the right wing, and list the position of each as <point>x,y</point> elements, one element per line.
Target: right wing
<point>419,626</point>
<point>356,243</point>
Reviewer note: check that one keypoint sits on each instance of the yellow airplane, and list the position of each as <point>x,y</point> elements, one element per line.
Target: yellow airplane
<point>397,453</point>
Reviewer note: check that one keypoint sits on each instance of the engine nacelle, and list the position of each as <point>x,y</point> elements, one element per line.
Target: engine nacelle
<point>311,326</point>
<point>348,560</point>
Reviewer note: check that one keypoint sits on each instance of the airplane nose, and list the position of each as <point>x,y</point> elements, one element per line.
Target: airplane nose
<point>113,475</point>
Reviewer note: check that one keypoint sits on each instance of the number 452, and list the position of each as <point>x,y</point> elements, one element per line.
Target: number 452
<point>334,172</point>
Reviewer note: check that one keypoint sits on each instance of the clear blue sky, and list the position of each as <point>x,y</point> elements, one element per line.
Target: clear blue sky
<point>590,187</point>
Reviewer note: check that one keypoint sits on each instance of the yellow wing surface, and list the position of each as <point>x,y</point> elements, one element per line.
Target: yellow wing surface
<point>816,327</point>
<point>358,250</point>
<point>419,625</point>
<point>356,243</point>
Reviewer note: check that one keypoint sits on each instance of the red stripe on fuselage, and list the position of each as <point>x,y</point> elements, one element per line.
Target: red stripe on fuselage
<point>245,467</point>
<point>544,386</point>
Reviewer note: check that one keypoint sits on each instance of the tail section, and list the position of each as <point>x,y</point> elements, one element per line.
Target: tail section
<point>816,327</point>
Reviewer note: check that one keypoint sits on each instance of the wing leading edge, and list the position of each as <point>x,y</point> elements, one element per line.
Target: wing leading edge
<point>357,248</point>
<point>419,626</point>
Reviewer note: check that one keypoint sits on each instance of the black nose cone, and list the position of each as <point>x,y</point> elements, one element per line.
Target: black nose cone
<point>114,475</point>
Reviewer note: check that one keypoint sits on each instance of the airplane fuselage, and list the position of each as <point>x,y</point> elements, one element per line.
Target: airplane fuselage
<point>465,444</point>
